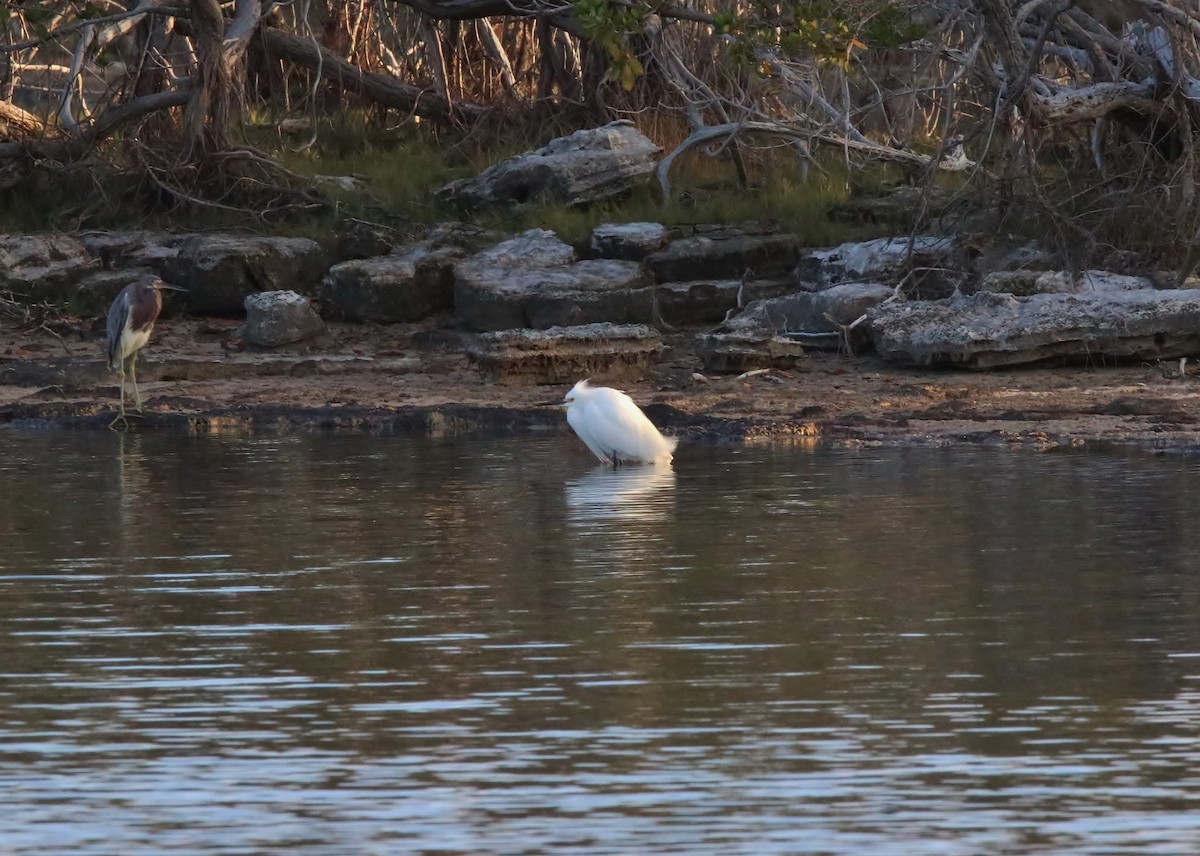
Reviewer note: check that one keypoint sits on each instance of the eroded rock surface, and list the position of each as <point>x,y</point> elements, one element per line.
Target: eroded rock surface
<point>276,318</point>
<point>219,271</point>
<point>988,330</point>
<point>610,352</point>
<point>534,281</point>
<point>1026,282</point>
<point>119,249</point>
<point>726,252</point>
<point>932,260</point>
<point>585,166</point>
<point>42,267</point>
<point>409,284</point>
<point>772,333</point>
<point>743,350</point>
<point>710,301</point>
<point>628,241</point>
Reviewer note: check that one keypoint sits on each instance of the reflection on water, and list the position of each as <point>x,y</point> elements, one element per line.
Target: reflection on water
<point>621,494</point>
<point>358,645</point>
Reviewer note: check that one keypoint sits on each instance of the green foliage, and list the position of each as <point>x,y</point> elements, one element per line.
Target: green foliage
<point>610,26</point>
<point>828,32</point>
<point>37,15</point>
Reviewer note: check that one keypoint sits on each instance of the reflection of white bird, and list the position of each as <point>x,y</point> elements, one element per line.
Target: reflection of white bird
<point>628,494</point>
<point>614,428</point>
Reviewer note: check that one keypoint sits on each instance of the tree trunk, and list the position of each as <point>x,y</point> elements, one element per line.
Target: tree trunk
<point>207,116</point>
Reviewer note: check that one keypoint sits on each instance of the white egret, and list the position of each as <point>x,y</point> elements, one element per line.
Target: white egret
<point>614,428</point>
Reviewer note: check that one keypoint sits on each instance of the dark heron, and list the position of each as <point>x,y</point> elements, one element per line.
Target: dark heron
<point>130,320</point>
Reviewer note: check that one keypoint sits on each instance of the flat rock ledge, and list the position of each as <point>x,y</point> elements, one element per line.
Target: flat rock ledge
<point>989,330</point>
<point>412,282</point>
<point>774,332</point>
<point>611,352</point>
<point>534,281</point>
<point>742,351</point>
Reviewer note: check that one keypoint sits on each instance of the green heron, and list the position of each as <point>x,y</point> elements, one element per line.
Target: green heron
<point>130,320</point>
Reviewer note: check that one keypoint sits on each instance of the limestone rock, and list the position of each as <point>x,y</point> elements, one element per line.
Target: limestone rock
<point>534,248</point>
<point>410,283</point>
<point>276,318</point>
<point>816,318</point>
<point>220,270</point>
<point>119,249</point>
<point>709,301</point>
<point>987,330</point>
<point>720,252</point>
<point>885,259</point>
<point>565,354</point>
<point>534,281</point>
<point>583,167</point>
<point>628,241</point>
<point>1026,282</point>
<point>739,351</point>
<point>465,236</point>
<point>773,333</point>
<point>43,267</point>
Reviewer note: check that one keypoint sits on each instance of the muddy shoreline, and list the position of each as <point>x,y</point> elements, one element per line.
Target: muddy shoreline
<point>416,379</point>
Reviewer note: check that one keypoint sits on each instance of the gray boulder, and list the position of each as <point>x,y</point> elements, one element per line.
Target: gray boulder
<point>565,354</point>
<point>219,271</point>
<point>720,252</point>
<point>43,267</point>
<point>409,284</point>
<point>276,318</point>
<point>773,333</point>
<point>886,259</point>
<point>710,301</point>
<point>534,281</point>
<point>628,241</point>
<point>134,249</point>
<point>465,236</point>
<point>1026,282</point>
<point>810,315</point>
<point>987,330</point>
<point>586,166</point>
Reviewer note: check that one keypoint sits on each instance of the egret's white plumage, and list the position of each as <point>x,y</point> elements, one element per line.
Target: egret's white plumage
<point>614,428</point>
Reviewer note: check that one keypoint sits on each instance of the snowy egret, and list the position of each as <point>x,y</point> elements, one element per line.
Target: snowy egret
<point>614,428</point>
<point>130,320</point>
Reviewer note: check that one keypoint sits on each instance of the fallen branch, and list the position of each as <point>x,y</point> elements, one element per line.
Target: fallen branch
<point>104,125</point>
<point>861,146</point>
<point>379,88</point>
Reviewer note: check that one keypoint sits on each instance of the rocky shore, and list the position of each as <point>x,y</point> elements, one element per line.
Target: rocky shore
<point>722,331</point>
<point>417,379</point>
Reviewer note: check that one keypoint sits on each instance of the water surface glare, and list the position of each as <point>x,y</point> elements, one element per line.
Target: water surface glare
<point>330,645</point>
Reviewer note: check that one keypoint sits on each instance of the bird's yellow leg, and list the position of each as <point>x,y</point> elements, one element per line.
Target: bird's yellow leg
<point>120,417</point>
<point>137,396</point>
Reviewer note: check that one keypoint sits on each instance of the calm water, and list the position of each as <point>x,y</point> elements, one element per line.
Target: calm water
<point>348,645</point>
